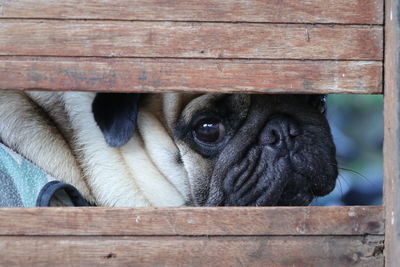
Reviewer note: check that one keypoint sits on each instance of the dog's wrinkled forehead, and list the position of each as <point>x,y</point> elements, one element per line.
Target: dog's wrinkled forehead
<point>238,105</point>
<point>219,103</point>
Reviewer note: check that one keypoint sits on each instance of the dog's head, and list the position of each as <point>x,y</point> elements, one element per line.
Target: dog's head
<point>237,149</point>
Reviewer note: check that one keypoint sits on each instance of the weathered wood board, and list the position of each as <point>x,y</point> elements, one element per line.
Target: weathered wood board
<point>189,40</point>
<point>192,251</point>
<point>188,75</point>
<point>283,11</point>
<point>247,221</point>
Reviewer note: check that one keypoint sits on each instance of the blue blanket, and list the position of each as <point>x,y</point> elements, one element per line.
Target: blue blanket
<point>23,184</point>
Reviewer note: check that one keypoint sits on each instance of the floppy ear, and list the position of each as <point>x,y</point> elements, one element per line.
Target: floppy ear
<point>116,115</point>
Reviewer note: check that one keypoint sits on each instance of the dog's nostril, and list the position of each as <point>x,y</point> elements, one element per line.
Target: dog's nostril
<point>272,137</point>
<point>294,130</point>
<point>278,131</point>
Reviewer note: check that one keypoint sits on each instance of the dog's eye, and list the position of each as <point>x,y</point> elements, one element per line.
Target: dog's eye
<point>209,131</point>
<point>318,102</point>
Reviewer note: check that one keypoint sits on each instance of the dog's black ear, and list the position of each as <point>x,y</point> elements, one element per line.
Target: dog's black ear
<point>116,115</point>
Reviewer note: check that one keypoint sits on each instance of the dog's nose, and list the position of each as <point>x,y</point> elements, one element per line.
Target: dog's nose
<point>280,132</point>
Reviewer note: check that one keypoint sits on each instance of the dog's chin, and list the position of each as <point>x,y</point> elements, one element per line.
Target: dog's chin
<point>297,192</point>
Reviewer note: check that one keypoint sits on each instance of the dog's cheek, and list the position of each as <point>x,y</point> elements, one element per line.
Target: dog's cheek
<point>241,179</point>
<point>317,163</point>
<point>199,171</point>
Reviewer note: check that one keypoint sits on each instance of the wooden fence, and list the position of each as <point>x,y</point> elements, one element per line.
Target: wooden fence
<point>262,46</point>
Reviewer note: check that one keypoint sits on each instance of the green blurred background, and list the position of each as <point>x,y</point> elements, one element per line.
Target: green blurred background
<point>357,127</point>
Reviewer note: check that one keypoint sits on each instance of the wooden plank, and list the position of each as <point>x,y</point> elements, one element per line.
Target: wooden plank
<point>189,40</point>
<point>188,75</point>
<point>193,221</point>
<point>392,134</point>
<point>286,11</point>
<point>192,251</point>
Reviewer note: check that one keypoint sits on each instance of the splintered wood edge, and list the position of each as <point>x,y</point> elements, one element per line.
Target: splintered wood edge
<point>185,221</point>
<point>189,75</point>
<point>290,11</point>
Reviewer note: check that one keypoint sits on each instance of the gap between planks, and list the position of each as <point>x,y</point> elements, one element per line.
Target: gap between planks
<point>327,24</point>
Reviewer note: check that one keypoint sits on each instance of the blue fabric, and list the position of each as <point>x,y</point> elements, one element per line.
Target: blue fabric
<point>23,184</point>
<point>21,180</point>
<point>56,193</point>
<point>9,196</point>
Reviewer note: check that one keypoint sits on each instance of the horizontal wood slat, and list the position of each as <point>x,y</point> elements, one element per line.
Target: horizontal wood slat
<point>188,40</point>
<point>193,251</point>
<point>186,75</point>
<point>193,221</point>
<point>286,11</point>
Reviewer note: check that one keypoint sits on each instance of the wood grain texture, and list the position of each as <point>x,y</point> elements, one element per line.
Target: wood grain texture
<point>292,11</point>
<point>193,221</point>
<point>189,40</point>
<point>192,251</point>
<point>392,134</point>
<point>190,75</point>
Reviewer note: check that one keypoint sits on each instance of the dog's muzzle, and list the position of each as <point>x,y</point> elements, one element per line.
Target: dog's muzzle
<point>281,167</point>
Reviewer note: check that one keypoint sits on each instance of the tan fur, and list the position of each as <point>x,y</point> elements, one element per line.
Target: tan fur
<point>57,132</point>
<point>25,128</point>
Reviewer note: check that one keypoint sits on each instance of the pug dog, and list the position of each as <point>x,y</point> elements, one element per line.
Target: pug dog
<point>173,149</point>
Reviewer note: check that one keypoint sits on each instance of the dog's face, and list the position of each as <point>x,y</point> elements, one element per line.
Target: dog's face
<point>258,150</point>
<point>246,150</point>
